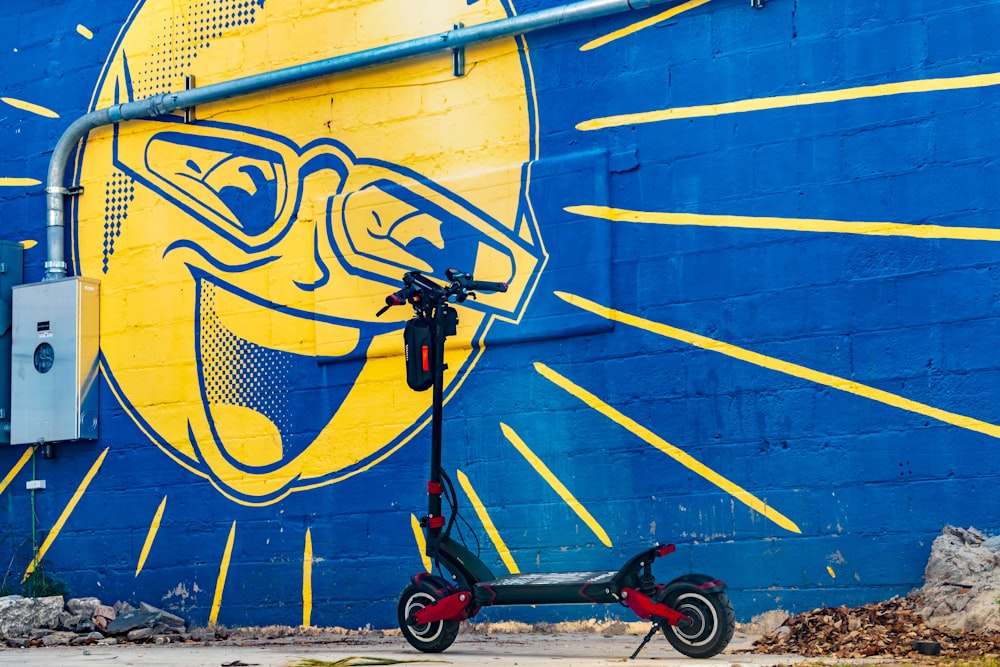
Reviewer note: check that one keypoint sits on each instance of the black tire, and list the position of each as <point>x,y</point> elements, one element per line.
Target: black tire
<point>429,637</point>
<point>712,622</point>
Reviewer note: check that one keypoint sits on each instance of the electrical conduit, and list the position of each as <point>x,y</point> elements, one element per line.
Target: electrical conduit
<point>158,105</point>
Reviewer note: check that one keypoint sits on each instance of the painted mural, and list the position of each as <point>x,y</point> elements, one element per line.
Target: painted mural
<point>752,297</point>
<point>280,240</point>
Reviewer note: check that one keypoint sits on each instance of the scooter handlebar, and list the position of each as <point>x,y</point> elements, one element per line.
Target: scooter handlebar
<point>462,285</point>
<point>465,281</point>
<point>395,299</point>
<point>486,286</point>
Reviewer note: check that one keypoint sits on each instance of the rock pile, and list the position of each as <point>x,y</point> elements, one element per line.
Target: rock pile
<point>47,621</point>
<point>962,581</point>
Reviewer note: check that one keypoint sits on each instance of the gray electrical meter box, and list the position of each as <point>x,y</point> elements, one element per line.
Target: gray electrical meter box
<point>56,342</point>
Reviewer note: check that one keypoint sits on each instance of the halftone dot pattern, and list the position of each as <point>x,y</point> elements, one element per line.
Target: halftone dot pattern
<point>239,372</point>
<point>118,193</point>
<point>184,35</point>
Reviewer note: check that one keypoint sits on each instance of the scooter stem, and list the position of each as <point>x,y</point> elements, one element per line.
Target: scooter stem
<point>435,520</point>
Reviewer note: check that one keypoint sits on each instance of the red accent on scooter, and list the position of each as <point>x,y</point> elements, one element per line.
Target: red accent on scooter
<point>455,607</point>
<point>644,607</point>
<point>493,594</point>
<point>711,584</point>
<point>582,592</point>
<point>435,521</point>
<point>435,488</point>
<point>425,356</point>
<point>665,549</point>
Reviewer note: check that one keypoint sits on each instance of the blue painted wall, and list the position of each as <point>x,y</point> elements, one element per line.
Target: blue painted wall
<point>867,418</point>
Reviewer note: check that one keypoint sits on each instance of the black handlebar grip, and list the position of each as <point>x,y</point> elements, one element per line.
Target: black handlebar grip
<point>486,286</point>
<point>394,299</point>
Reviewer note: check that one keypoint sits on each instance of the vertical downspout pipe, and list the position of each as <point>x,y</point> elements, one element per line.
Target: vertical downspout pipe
<point>158,105</point>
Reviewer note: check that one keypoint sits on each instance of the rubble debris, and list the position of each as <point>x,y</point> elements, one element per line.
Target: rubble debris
<point>962,581</point>
<point>18,614</point>
<point>82,606</point>
<point>62,638</point>
<point>103,614</point>
<point>146,617</point>
<point>48,621</point>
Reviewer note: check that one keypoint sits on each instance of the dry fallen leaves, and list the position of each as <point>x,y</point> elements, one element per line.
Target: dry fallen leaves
<point>879,629</point>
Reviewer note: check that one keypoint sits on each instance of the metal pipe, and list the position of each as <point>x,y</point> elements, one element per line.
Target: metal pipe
<point>158,105</point>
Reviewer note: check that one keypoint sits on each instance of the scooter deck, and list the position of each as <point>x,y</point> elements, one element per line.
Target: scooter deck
<point>547,588</point>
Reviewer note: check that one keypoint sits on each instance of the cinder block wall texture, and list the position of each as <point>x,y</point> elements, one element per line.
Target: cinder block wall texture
<point>753,304</point>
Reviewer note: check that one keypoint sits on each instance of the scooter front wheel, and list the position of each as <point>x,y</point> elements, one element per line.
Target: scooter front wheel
<point>432,637</point>
<point>711,626</point>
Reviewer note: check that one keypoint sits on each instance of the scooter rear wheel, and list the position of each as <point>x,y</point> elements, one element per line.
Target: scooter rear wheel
<point>712,622</point>
<point>429,637</point>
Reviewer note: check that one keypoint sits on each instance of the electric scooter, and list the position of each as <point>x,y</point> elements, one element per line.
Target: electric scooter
<point>693,610</point>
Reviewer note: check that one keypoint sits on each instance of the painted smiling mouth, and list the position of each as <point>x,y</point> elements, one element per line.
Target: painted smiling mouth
<point>259,372</point>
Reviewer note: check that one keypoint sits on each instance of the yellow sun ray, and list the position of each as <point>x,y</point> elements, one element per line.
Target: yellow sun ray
<point>640,25</point>
<point>488,524</point>
<point>84,31</point>
<point>220,582</point>
<point>14,182</point>
<point>29,107</point>
<point>556,485</point>
<point>67,511</point>
<point>786,367</point>
<point>788,224</point>
<point>307,572</point>
<point>12,473</point>
<point>418,535</point>
<point>797,100</point>
<point>154,527</point>
<point>674,452</point>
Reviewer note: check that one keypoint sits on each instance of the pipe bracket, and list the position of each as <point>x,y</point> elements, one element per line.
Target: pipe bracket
<point>458,55</point>
<point>74,191</point>
<point>189,84</point>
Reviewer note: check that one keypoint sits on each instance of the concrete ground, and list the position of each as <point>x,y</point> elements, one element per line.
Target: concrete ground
<point>469,650</point>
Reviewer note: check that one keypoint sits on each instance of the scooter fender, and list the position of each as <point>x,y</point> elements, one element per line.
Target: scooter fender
<point>451,604</point>
<point>702,582</point>
<point>436,586</point>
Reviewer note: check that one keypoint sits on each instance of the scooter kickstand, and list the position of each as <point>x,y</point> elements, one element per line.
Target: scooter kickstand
<point>645,640</point>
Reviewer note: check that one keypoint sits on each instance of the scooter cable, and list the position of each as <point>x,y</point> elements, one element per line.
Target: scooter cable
<point>452,498</point>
